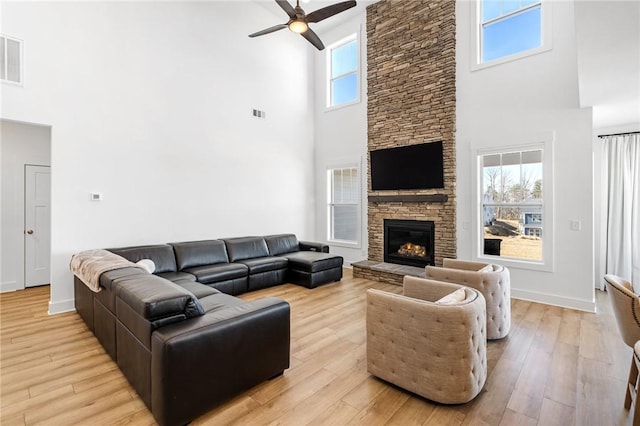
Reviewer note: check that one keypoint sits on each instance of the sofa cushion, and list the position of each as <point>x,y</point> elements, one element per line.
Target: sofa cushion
<point>246,248</point>
<point>283,243</point>
<point>220,301</point>
<point>147,265</point>
<point>265,264</point>
<point>161,255</point>
<point>175,276</point>
<point>198,290</point>
<point>208,274</point>
<point>153,297</point>
<point>198,253</point>
<point>311,261</point>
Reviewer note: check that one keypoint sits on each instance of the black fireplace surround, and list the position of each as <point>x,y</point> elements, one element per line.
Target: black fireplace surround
<point>409,242</point>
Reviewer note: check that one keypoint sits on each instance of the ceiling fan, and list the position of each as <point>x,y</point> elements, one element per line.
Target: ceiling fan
<point>299,21</point>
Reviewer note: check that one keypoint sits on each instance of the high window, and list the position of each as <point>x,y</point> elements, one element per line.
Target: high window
<point>514,213</point>
<point>342,72</point>
<point>343,196</point>
<point>511,29</point>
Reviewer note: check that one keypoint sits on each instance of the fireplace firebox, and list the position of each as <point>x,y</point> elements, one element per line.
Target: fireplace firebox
<point>409,242</point>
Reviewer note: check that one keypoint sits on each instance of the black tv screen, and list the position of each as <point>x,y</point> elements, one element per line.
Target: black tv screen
<point>417,166</point>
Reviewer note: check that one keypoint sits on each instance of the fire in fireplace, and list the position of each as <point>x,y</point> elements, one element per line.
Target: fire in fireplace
<point>409,242</point>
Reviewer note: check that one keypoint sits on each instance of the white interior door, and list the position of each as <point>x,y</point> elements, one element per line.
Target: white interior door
<point>37,225</point>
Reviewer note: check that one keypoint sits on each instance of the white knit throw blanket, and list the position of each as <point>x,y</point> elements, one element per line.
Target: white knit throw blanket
<point>90,264</point>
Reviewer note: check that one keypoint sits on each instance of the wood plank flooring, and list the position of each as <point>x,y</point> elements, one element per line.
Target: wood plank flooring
<point>556,367</point>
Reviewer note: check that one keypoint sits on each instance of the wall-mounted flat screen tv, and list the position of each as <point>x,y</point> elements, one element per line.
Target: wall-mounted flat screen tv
<point>417,166</point>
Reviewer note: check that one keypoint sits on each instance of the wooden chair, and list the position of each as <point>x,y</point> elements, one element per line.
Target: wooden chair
<point>626,307</point>
<point>632,386</point>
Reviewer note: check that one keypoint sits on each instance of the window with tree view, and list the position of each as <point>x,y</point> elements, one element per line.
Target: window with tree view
<point>512,204</point>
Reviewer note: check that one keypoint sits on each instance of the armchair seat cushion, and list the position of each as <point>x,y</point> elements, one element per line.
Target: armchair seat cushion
<point>264,264</point>
<point>311,261</point>
<point>208,274</point>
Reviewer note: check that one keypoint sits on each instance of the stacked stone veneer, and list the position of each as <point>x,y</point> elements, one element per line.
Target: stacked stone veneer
<point>412,99</point>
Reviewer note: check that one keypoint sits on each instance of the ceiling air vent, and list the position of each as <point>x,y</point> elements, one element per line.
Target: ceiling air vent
<point>11,57</point>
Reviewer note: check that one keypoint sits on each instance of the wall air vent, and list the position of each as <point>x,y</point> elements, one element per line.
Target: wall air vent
<point>10,60</point>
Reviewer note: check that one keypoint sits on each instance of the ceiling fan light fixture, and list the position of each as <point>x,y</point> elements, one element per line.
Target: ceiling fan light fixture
<point>298,26</point>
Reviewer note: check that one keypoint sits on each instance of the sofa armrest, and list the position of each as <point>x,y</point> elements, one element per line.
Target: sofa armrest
<point>199,363</point>
<point>311,246</point>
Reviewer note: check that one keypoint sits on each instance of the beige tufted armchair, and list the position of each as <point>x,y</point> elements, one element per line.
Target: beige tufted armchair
<point>493,281</point>
<point>436,351</point>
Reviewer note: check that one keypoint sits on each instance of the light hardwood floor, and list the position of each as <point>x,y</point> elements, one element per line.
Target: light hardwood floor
<point>556,367</point>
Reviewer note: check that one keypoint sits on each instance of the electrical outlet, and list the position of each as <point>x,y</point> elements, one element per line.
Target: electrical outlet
<point>95,196</point>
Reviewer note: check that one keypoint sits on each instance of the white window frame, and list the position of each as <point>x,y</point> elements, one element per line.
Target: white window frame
<point>357,72</point>
<point>21,44</point>
<point>329,200</point>
<point>548,238</point>
<point>546,36</point>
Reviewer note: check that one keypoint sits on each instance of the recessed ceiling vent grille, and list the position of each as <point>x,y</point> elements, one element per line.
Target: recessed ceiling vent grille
<point>11,58</point>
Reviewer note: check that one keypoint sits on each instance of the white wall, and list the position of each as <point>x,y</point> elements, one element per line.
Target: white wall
<point>20,144</point>
<point>150,104</point>
<point>513,102</point>
<point>341,136</point>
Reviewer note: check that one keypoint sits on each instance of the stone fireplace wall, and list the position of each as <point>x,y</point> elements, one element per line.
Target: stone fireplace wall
<point>412,99</point>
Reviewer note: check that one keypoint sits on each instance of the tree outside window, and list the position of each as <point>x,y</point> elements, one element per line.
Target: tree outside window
<point>512,204</point>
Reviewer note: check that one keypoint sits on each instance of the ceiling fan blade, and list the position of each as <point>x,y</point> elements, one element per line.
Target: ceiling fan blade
<point>313,39</point>
<point>284,4</point>
<point>268,30</point>
<point>326,12</point>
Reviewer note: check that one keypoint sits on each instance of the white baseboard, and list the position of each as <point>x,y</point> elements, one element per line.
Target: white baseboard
<point>62,306</point>
<point>9,286</point>
<point>550,299</point>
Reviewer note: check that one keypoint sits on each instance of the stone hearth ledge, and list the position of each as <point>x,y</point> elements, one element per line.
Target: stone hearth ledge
<point>385,272</point>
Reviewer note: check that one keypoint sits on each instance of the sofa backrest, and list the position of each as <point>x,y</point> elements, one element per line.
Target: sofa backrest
<point>281,244</point>
<point>246,248</point>
<point>161,255</point>
<point>147,302</point>
<point>197,253</point>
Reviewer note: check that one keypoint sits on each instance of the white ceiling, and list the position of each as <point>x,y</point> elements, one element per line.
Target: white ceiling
<point>608,42</point>
<point>608,45</point>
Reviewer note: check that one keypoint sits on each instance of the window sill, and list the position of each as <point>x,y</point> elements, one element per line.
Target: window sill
<point>475,66</point>
<point>345,244</point>
<point>513,263</point>
<point>341,106</point>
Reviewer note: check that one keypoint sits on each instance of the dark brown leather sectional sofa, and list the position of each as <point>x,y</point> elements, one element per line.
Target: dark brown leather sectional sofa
<point>181,338</point>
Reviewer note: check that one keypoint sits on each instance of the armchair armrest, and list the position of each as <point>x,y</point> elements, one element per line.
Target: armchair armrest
<point>426,289</point>
<point>466,265</point>
<point>311,246</point>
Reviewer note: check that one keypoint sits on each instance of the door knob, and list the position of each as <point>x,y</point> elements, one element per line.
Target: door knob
<point>30,231</point>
